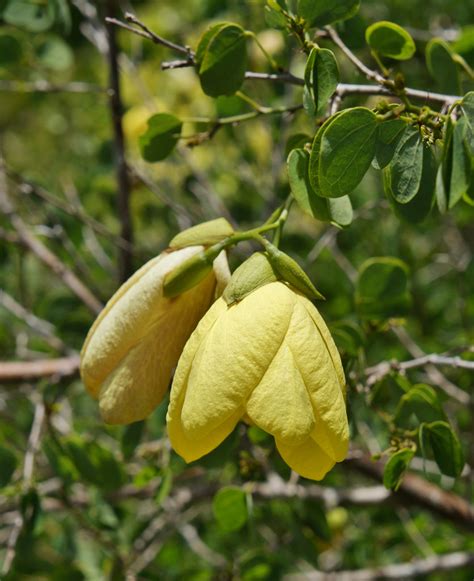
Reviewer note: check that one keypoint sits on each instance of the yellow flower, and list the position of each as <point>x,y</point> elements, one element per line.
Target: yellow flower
<point>269,359</point>
<point>134,345</point>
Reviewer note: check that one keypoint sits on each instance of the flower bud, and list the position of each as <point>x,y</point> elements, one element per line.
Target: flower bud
<point>134,345</point>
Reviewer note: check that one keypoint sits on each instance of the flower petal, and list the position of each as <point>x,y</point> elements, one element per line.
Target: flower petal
<point>280,403</point>
<point>137,385</point>
<point>234,357</point>
<point>307,459</point>
<point>129,316</point>
<point>322,380</point>
<point>191,448</point>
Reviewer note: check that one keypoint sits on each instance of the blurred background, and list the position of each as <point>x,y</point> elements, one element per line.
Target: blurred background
<point>81,500</point>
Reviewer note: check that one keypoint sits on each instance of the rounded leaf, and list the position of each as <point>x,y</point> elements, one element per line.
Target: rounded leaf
<point>391,40</point>
<point>229,507</point>
<point>322,12</point>
<point>347,150</point>
<point>161,137</point>
<point>223,60</point>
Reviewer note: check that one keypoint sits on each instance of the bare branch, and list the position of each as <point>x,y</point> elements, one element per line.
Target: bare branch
<point>417,567</point>
<point>377,372</point>
<point>29,370</point>
<point>43,86</point>
<point>417,490</point>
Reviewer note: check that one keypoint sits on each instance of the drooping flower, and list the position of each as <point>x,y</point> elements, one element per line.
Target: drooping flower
<point>268,359</point>
<point>134,345</point>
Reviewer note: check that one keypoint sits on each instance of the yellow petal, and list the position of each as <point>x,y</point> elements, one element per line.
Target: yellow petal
<point>280,404</point>
<point>134,345</point>
<point>191,448</point>
<point>234,357</point>
<point>327,338</point>
<point>307,459</point>
<point>316,365</point>
<point>127,318</point>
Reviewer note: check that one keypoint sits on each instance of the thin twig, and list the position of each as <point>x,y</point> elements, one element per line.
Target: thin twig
<point>41,251</point>
<point>43,86</point>
<point>145,32</point>
<point>29,370</point>
<point>369,73</point>
<point>27,481</point>
<point>415,568</point>
<point>382,369</point>
<point>43,328</point>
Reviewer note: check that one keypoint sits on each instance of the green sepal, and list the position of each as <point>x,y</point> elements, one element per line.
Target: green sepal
<point>189,273</point>
<point>291,272</point>
<point>255,272</point>
<point>203,234</point>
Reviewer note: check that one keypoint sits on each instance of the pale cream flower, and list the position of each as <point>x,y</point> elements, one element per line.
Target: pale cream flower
<point>134,345</point>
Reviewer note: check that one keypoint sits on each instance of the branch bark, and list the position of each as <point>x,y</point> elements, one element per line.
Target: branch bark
<point>30,370</point>
<point>123,180</point>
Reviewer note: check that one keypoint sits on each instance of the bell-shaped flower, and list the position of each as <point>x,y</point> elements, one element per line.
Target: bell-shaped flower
<point>269,360</point>
<point>134,345</point>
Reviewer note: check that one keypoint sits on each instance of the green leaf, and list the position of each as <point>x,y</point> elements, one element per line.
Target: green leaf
<point>315,154</point>
<point>338,210</point>
<point>454,177</point>
<point>322,12</point>
<point>206,39</point>
<point>396,467</point>
<point>30,15</point>
<point>161,137</point>
<point>446,448</point>
<point>274,16</point>
<point>95,464</point>
<point>390,40</point>
<point>467,107</point>
<point>382,288</point>
<point>206,234</point>
<point>8,463</point>
<point>419,208</point>
<point>222,60</point>
<point>389,134</point>
<point>406,166</point>
<point>321,76</point>
<point>442,66</point>
<point>347,150</point>
<point>131,437</point>
<point>229,507</point>
<point>297,141</point>
<point>55,54</point>
<point>348,336</point>
<point>421,400</point>
<point>11,50</point>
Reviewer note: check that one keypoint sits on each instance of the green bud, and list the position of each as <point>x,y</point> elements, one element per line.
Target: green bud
<point>290,271</point>
<point>187,275</point>
<point>203,234</point>
<point>255,272</point>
